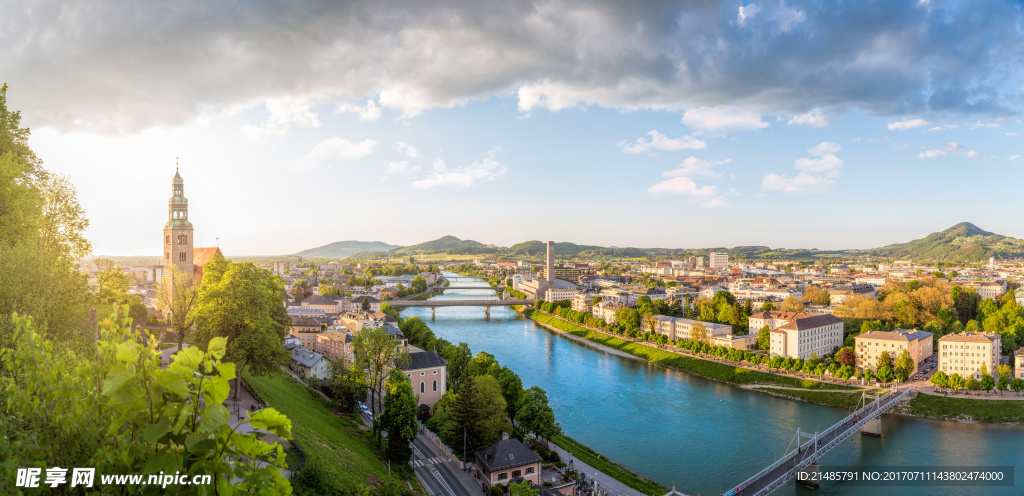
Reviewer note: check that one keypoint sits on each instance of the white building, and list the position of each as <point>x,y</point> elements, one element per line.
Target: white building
<point>309,364</point>
<point>966,352</point>
<point>1019,364</point>
<point>718,260</point>
<point>581,302</point>
<point>677,328</point>
<point>516,280</point>
<point>805,336</point>
<point>554,294</point>
<point>988,290</point>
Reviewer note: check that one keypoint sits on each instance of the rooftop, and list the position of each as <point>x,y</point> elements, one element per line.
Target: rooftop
<point>506,454</point>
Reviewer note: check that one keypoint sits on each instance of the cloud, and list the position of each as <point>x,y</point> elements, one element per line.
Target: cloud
<point>334,150</point>
<point>931,153</point>
<point>399,167</point>
<point>951,147</point>
<point>486,170</point>
<point>659,141</point>
<point>907,124</point>
<point>981,125</point>
<point>943,128</point>
<point>1011,133</point>
<point>714,202</point>
<point>824,148</point>
<point>826,164</point>
<point>368,112</point>
<point>694,166</point>
<point>407,150</point>
<point>1016,157</point>
<point>284,112</point>
<point>814,118</point>
<point>109,69</point>
<point>682,186</point>
<point>801,183</point>
<point>723,118</point>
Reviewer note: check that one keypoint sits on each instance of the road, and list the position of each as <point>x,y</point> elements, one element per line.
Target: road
<point>605,481</point>
<point>434,472</point>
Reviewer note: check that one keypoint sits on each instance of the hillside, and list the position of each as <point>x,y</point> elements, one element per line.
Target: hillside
<point>442,244</point>
<point>344,249</point>
<point>964,242</point>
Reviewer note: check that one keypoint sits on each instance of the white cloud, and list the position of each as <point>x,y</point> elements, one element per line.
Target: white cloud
<point>399,167</point>
<point>1011,133</point>
<point>682,186</point>
<point>801,183</point>
<point>733,191</point>
<point>814,118</point>
<point>931,153</point>
<point>1016,157</point>
<point>333,150</point>
<point>723,118</point>
<point>407,150</point>
<point>746,12</point>
<point>907,124</point>
<point>485,170</point>
<point>829,164</point>
<point>284,112</point>
<point>954,146</point>
<point>943,128</point>
<point>694,166</point>
<point>824,148</point>
<point>980,125</point>
<point>972,153</point>
<point>659,141</point>
<point>714,202</point>
<point>368,112</point>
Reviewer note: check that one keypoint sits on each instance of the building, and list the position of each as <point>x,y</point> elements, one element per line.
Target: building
<point>560,294</point>
<point>718,260</point>
<point>805,336</point>
<point>335,344</point>
<point>308,363</point>
<point>988,290</point>
<point>280,268</point>
<point>570,274</point>
<point>966,352</point>
<point>305,329</point>
<point>678,328</point>
<point>772,319</point>
<point>428,373</point>
<point>1018,370</point>
<point>870,345</point>
<point>318,302</point>
<point>505,460</point>
<point>582,302</point>
<point>178,230</point>
<point>374,303</point>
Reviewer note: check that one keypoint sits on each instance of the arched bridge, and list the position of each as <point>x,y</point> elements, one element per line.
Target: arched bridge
<point>434,304</point>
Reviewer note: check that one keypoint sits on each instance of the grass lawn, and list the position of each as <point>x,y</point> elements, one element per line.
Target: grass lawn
<point>941,407</point>
<point>337,443</point>
<point>598,461</point>
<point>705,368</point>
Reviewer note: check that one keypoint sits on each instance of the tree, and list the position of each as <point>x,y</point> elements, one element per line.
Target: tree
<point>971,384</point>
<point>178,297</point>
<point>419,284</point>
<point>376,352</point>
<point>904,365</point>
<point>242,303</point>
<point>524,488</point>
<point>764,338</point>
<point>884,374</point>
<point>511,389</point>
<point>816,295</point>
<point>365,305</point>
<point>767,307</point>
<point>791,304</point>
<point>398,417</point>
<point>987,382</point>
<point>885,360</point>
<point>1017,385</point>
<point>345,385</point>
<point>63,219</point>
<point>533,414</point>
<point>956,382</point>
<point>869,374</point>
<point>699,333</point>
<point>480,409</point>
<point>115,410</point>
<point>940,379</point>
<point>458,358</point>
<point>846,357</point>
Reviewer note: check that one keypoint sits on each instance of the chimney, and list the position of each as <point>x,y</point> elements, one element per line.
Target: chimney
<point>551,263</point>
<point>504,436</point>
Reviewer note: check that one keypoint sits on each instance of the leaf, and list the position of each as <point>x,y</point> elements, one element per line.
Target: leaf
<point>273,421</point>
<point>226,371</point>
<point>159,462</point>
<point>173,381</point>
<point>215,390</point>
<point>188,358</point>
<point>154,432</point>
<point>217,347</point>
<point>118,376</point>
<point>214,417</point>
<point>128,351</point>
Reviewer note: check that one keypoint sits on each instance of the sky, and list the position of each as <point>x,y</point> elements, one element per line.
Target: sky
<point>792,124</point>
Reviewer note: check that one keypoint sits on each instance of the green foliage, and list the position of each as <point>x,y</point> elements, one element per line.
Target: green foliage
<point>926,405</point>
<point>534,415</point>
<point>904,365</point>
<point>399,417</point>
<point>376,353</point>
<point>524,488</point>
<point>117,411</point>
<point>940,379</point>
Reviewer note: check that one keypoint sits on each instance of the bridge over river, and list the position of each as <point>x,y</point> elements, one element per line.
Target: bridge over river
<point>434,304</point>
<point>802,462</point>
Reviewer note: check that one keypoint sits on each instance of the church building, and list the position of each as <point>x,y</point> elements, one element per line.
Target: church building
<point>178,236</point>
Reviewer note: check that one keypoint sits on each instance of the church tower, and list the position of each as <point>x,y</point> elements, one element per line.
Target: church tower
<point>178,230</point>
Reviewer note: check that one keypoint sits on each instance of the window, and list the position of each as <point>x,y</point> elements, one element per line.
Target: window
<point>167,255</point>
<point>503,476</point>
<point>167,239</point>
<point>181,256</point>
<point>423,387</point>
<point>517,473</point>
<point>529,470</point>
<point>422,374</point>
<point>435,385</point>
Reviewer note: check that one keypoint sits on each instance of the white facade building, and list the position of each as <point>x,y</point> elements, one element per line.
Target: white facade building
<point>805,336</point>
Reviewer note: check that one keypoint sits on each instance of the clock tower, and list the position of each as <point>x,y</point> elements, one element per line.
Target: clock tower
<point>178,230</point>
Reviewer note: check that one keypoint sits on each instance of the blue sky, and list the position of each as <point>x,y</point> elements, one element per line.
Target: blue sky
<point>671,124</point>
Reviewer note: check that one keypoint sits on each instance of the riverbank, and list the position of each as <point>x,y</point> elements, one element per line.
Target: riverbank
<point>600,462</point>
<point>809,391</point>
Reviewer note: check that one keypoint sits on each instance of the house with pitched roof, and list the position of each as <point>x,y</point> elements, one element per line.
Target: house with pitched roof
<point>505,460</point>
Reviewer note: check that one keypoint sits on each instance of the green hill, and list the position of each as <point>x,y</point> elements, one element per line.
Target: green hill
<point>442,244</point>
<point>344,249</point>
<point>964,242</point>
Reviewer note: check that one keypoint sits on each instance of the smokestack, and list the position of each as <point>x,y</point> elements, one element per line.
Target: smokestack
<point>551,262</point>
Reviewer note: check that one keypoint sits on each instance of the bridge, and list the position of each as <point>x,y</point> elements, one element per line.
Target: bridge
<point>485,288</point>
<point>804,459</point>
<point>434,304</point>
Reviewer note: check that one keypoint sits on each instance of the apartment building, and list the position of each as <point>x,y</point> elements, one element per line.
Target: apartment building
<point>554,294</point>
<point>965,353</point>
<point>772,319</point>
<point>988,290</point>
<point>718,260</point>
<point>869,347</point>
<point>306,330</point>
<point>581,302</point>
<point>677,328</point>
<point>335,344</point>
<point>806,336</point>
<point>1018,370</point>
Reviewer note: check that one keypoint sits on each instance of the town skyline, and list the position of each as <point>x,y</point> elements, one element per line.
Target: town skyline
<point>858,123</point>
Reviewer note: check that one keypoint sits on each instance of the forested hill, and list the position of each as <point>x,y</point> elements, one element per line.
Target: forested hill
<point>964,242</point>
<point>342,249</point>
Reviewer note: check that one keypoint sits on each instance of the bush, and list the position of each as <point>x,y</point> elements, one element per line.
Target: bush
<point>496,490</point>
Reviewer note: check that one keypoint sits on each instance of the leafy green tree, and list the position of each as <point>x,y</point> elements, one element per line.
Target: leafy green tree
<point>419,284</point>
<point>1003,383</point>
<point>458,358</point>
<point>987,382</point>
<point>178,297</point>
<point>399,417</point>
<point>885,360</point>
<point>764,339</point>
<point>345,385</point>
<point>904,365</point>
<point>1017,385</point>
<point>699,333</point>
<point>767,307</point>
<point>242,303</point>
<point>533,414</point>
<point>481,364</point>
<point>971,384</point>
<point>511,389</point>
<point>940,379</point>
<point>869,374</point>
<point>523,488</point>
<point>791,304</point>
<point>956,382</point>
<point>776,362</point>
<point>884,374</point>
<point>117,411</point>
<point>480,409</point>
<point>376,352</point>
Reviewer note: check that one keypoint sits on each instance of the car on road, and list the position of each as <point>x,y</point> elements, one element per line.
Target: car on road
<point>366,410</point>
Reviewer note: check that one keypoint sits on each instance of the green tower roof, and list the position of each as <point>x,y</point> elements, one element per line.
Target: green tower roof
<point>177,177</point>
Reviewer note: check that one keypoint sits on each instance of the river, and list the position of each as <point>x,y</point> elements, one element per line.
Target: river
<point>700,435</point>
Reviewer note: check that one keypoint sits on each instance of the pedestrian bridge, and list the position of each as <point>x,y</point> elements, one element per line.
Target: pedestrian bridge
<point>483,288</point>
<point>434,304</point>
<point>804,459</point>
